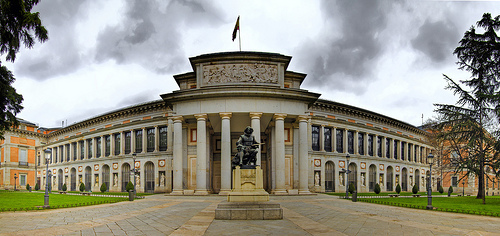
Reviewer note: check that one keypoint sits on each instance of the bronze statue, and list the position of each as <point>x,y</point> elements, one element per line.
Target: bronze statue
<point>247,148</point>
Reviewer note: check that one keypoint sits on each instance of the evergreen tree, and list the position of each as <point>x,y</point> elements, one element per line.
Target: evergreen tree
<point>471,125</point>
<point>17,25</point>
<point>377,188</point>
<point>104,187</point>
<point>82,187</point>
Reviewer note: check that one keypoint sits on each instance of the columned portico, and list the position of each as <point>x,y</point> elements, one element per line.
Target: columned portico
<point>279,120</point>
<point>177,156</point>
<point>303,156</point>
<point>225,152</point>
<point>201,155</point>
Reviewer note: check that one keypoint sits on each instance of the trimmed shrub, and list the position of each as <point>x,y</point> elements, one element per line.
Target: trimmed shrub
<point>104,187</point>
<point>82,187</point>
<point>450,190</point>
<point>415,189</point>
<point>37,187</point>
<point>377,188</point>
<point>28,187</point>
<point>351,188</point>
<point>64,188</point>
<point>130,186</point>
<point>440,189</point>
<point>398,189</point>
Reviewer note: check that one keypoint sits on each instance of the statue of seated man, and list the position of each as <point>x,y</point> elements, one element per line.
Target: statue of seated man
<point>247,148</point>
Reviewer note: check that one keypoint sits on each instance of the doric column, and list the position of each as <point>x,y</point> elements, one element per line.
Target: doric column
<point>144,140</point>
<point>334,139</point>
<point>345,143</point>
<point>225,165</point>
<point>356,141</point>
<point>383,145</point>
<point>255,117</point>
<point>375,145</point>
<point>78,154</point>
<point>71,151</point>
<point>404,148</point>
<point>157,138</point>
<point>321,138</point>
<point>122,143</point>
<point>280,153</point>
<point>85,149</point>
<point>132,141</point>
<point>177,153</point>
<point>112,148</point>
<point>170,135</point>
<point>303,156</point>
<point>201,154</point>
<point>103,147</point>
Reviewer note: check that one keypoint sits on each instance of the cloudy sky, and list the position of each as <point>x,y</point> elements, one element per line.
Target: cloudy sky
<point>385,56</point>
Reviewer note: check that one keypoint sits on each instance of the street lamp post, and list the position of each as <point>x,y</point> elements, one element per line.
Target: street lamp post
<point>15,181</point>
<point>346,170</point>
<point>430,159</point>
<point>463,187</point>
<point>133,157</point>
<point>48,153</point>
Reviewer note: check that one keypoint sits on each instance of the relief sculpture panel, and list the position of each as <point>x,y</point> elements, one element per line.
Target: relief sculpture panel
<point>240,73</point>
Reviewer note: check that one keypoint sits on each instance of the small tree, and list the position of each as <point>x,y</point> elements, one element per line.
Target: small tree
<point>415,189</point>
<point>398,189</point>
<point>377,188</point>
<point>103,188</point>
<point>130,186</point>
<point>82,187</point>
<point>440,189</point>
<point>28,187</point>
<point>64,187</point>
<point>37,187</point>
<point>351,188</point>
<point>450,190</point>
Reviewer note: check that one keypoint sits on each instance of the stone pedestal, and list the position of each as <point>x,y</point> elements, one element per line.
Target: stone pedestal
<point>248,200</point>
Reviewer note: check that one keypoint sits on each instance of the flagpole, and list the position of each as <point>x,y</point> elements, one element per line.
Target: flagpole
<point>239,35</point>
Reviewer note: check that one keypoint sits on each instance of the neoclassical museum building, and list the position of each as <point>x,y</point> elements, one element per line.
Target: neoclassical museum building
<point>183,143</point>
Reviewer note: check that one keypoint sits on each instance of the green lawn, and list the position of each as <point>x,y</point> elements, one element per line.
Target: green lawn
<point>387,193</point>
<point>469,205</point>
<point>21,200</point>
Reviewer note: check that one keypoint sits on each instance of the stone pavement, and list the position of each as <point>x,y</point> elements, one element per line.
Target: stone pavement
<point>194,215</point>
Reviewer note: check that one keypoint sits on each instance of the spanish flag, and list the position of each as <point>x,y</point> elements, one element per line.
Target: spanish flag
<point>236,27</point>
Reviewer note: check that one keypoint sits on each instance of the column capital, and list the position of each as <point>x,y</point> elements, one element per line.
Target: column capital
<point>303,118</point>
<point>225,115</point>
<point>178,119</point>
<point>255,115</point>
<point>279,116</point>
<point>201,116</point>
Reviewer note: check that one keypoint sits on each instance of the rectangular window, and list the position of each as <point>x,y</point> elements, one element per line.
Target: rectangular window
<point>403,144</point>
<point>370,145</point>
<point>23,157</point>
<point>387,148</point>
<point>415,154</point>
<point>361,144</point>
<point>138,141</point>
<point>98,145</point>
<point>82,150</point>
<point>74,151</point>
<point>328,139</point>
<point>107,145</point>
<point>151,140</point>
<point>89,148</point>
<point>340,141</point>
<point>163,138</point>
<point>128,138</point>
<point>22,180</point>
<point>396,150</point>
<point>315,138</point>
<point>409,152</point>
<point>379,146</point>
<point>350,142</point>
<point>68,157</point>
<point>117,144</point>
<point>61,153</point>
<point>454,181</point>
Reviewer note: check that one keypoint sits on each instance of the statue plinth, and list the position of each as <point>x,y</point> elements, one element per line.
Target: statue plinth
<point>248,186</point>
<point>248,200</point>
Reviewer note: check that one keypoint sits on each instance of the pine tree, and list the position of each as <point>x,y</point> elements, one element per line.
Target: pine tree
<point>471,124</point>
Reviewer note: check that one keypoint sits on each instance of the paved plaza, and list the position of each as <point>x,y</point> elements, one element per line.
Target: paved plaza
<point>190,215</point>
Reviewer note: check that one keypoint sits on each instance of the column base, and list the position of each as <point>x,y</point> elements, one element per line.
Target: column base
<point>201,192</point>
<point>177,192</point>
<point>279,192</point>
<point>224,192</point>
<point>306,192</point>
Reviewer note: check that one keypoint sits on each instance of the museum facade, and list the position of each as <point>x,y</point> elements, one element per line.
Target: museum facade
<point>183,143</point>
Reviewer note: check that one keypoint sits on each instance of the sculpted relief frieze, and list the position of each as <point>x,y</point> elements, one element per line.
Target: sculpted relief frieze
<point>240,73</point>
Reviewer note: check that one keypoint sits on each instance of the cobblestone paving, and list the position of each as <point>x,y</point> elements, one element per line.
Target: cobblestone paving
<point>190,215</point>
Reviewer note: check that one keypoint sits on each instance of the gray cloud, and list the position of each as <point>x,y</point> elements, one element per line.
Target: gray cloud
<point>60,54</point>
<point>345,56</point>
<point>437,40</point>
<point>150,33</point>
